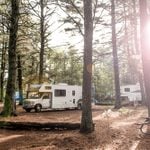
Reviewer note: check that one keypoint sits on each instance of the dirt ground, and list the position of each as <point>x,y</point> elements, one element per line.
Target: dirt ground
<point>114,130</point>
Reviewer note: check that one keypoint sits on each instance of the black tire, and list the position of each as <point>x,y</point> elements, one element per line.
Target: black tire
<point>28,109</point>
<point>79,106</point>
<point>38,108</point>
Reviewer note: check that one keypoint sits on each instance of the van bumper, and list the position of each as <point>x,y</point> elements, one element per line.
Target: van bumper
<point>28,106</point>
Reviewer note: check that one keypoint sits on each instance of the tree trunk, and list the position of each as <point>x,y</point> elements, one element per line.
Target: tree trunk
<point>145,49</point>
<point>39,126</point>
<point>141,81</point>
<point>115,58</point>
<point>136,43</point>
<point>42,42</point>
<point>20,80</point>
<point>9,106</point>
<point>3,64</point>
<point>86,120</point>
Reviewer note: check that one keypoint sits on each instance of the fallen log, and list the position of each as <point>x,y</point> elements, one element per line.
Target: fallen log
<point>39,126</point>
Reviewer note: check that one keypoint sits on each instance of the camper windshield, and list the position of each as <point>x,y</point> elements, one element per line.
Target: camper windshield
<point>34,95</point>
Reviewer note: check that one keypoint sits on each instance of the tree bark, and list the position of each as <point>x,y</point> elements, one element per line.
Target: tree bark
<point>39,126</point>
<point>9,106</point>
<point>145,49</point>
<point>20,80</point>
<point>137,49</point>
<point>115,58</point>
<point>86,120</point>
<point>42,42</point>
<point>3,66</point>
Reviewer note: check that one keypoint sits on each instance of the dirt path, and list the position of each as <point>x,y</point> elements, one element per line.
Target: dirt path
<point>128,136</point>
<point>114,130</point>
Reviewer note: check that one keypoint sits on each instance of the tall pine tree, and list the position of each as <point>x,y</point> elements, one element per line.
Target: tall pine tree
<point>9,104</point>
<point>86,121</point>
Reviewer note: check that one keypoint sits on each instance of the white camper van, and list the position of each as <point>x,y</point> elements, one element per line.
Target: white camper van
<point>132,92</point>
<point>46,96</point>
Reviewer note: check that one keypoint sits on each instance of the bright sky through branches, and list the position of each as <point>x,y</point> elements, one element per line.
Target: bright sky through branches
<point>148,30</point>
<point>146,36</point>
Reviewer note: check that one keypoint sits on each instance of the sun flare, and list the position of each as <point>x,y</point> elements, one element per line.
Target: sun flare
<point>148,29</point>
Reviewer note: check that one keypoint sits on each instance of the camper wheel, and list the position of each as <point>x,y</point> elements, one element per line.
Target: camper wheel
<point>38,108</point>
<point>79,106</point>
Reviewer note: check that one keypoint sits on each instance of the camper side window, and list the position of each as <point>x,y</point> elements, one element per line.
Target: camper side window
<point>73,93</point>
<point>127,89</point>
<point>48,87</point>
<point>60,93</point>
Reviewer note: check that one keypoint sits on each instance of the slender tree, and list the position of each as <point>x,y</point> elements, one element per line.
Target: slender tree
<point>42,20</point>
<point>137,49</point>
<point>9,107</point>
<point>86,121</point>
<point>145,49</point>
<point>3,45</point>
<point>19,67</point>
<point>42,10</point>
<point>3,67</point>
<point>115,57</point>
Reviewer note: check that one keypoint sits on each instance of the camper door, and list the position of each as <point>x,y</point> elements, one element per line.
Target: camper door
<point>59,98</point>
<point>46,100</point>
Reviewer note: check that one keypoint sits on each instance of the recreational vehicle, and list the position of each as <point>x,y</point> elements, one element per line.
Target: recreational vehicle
<point>57,96</point>
<point>132,92</point>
